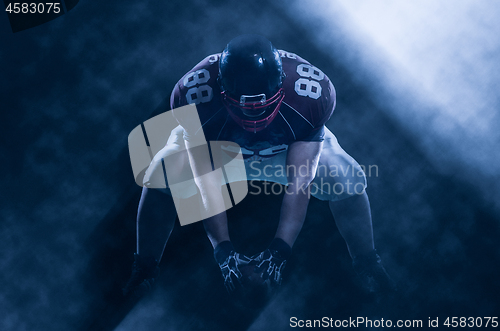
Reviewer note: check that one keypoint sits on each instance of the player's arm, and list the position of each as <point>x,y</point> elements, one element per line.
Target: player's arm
<point>303,156</point>
<point>208,180</point>
<point>302,162</point>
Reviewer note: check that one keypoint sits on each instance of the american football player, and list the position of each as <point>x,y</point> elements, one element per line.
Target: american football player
<point>274,105</point>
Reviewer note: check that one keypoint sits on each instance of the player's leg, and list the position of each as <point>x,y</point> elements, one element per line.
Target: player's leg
<point>156,214</point>
<point>155,221</point>
<point>342,181</point>
<point>354,221</point>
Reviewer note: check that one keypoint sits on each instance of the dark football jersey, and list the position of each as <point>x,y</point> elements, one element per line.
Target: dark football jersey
<point>308,103</point>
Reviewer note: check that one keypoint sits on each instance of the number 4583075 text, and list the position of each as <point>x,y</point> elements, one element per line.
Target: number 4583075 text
<point>33,8</point>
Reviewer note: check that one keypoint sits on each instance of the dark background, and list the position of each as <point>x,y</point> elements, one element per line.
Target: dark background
<point>72,89</point>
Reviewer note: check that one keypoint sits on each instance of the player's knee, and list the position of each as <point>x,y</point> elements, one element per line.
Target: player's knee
<point>298,184</point>
<point>358,183</point>
<point>177,166</point>
<point>340,185</point>
<point>168,167</point>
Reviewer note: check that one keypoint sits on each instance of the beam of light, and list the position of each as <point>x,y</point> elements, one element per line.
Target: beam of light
<point>433,66</point>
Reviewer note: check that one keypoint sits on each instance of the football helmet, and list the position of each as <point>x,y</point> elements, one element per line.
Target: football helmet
<point>251,79</point>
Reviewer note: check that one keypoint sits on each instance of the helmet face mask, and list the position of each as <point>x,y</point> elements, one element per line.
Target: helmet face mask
<point>253,112</point>
<point>253,105</point>
<point>251,78</point>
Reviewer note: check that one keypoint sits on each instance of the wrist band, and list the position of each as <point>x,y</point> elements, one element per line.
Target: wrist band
<point>222,251</point>
<point>283,249</point>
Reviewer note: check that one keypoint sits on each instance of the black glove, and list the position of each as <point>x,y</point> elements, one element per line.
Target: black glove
<point>272,261</point>
<point>228,261</point>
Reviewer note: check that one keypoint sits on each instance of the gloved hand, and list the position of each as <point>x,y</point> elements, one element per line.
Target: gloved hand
<point>228,261</point>
<point>272,261</point>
